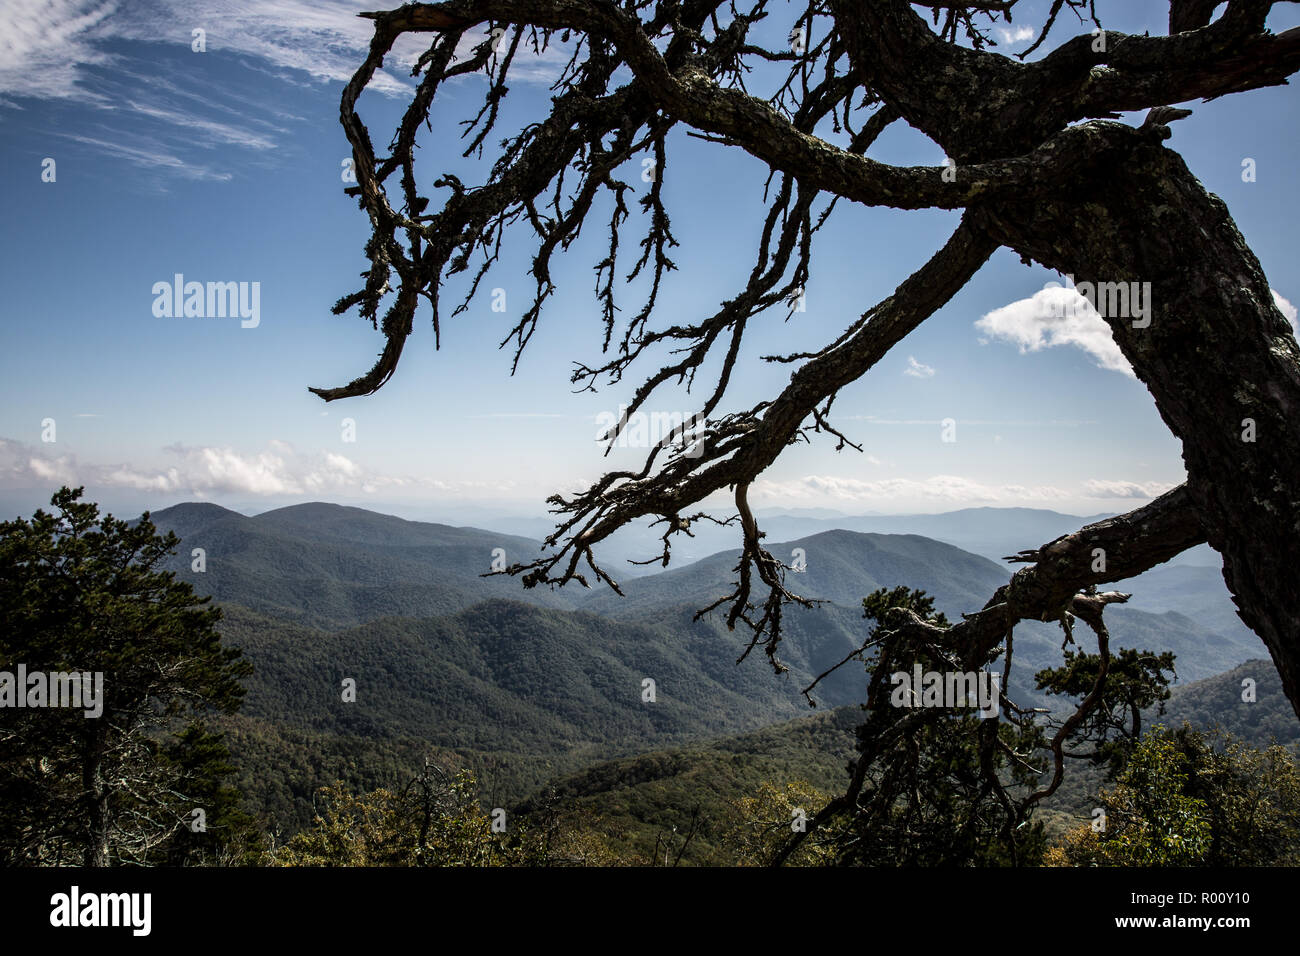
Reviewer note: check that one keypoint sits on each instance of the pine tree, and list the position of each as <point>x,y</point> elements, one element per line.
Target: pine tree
<point>81,593</point>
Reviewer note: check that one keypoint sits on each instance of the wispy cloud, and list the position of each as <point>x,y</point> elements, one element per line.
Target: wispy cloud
<point>45,47</point>
<point>918,370</point>
<point>947,488</point>
<point>1052,423</point>
<point>150,154</point>
<point>944,489</point>
<point>109,55</point>
<point>519,415</point>
<point>212,130</point>
<point>1104,488</point>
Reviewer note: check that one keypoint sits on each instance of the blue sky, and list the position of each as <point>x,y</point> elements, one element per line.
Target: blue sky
<point>225,165</point>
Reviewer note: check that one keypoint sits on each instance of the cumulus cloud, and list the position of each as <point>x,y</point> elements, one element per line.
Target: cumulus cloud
<point>1286,308</point>
<point>1051,317</point>
<point>1055,316</point>
<point>203,471</point>
<point>918,370</point>
<point>1015,34</point>
<point>49,469</point>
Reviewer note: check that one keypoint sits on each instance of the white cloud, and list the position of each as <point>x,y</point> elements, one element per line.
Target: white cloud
<point>944,490</point>
<point>222,133</point>
<point>202,471</point>
<point>51,469</point>
<point>947,488</point>
<point>44,47</point>
<point>917,370</point>
<point>1028,423</point>
<point>150,154</point>
<point>1103,488</point>
<point>1015,34</point>
<point>1286,308</point>
<point>109,55</point>
<point>1055,316</point>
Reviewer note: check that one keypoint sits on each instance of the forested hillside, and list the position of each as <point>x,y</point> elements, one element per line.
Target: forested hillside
<point>530,686</point>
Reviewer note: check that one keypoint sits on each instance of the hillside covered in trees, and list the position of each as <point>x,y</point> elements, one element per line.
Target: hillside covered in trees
<point>628,728</point>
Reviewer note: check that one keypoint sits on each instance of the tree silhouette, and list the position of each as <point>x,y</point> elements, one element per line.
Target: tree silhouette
<point>1039,164</point>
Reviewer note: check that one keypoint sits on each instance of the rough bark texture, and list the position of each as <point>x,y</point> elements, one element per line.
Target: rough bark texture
<point>1216,355</point>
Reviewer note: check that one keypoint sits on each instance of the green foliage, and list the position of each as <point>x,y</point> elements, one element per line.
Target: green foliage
<point>876,604</point>
<point>435,820</point>
<point>1217,702</point>
<point>227,834</point>
<point>932,805</point>
<point>383,828</point>
<point>523,695</point>
<point>640,803</point>
<point>1135,682</point>
<point>83,593</point>
<point>327,566</point>
<point>1192,798</point>
<point>942,791</point>
<point>760,825</point>
<point>1251,798</point>
<point>1212,704</point>
<point>1150,818</point>
<point>516,699</point>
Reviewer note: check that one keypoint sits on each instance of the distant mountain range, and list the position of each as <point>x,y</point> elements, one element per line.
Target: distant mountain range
<point>329,566</point>
<point>535,683</point>
<point>992,533</point>
<point>332,566</point>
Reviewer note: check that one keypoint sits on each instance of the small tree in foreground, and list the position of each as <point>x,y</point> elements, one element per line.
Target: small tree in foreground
<point>1192,798</point>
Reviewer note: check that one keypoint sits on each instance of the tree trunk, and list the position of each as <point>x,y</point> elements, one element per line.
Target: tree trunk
<point>1219,358</point>
<point>95,850</point>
